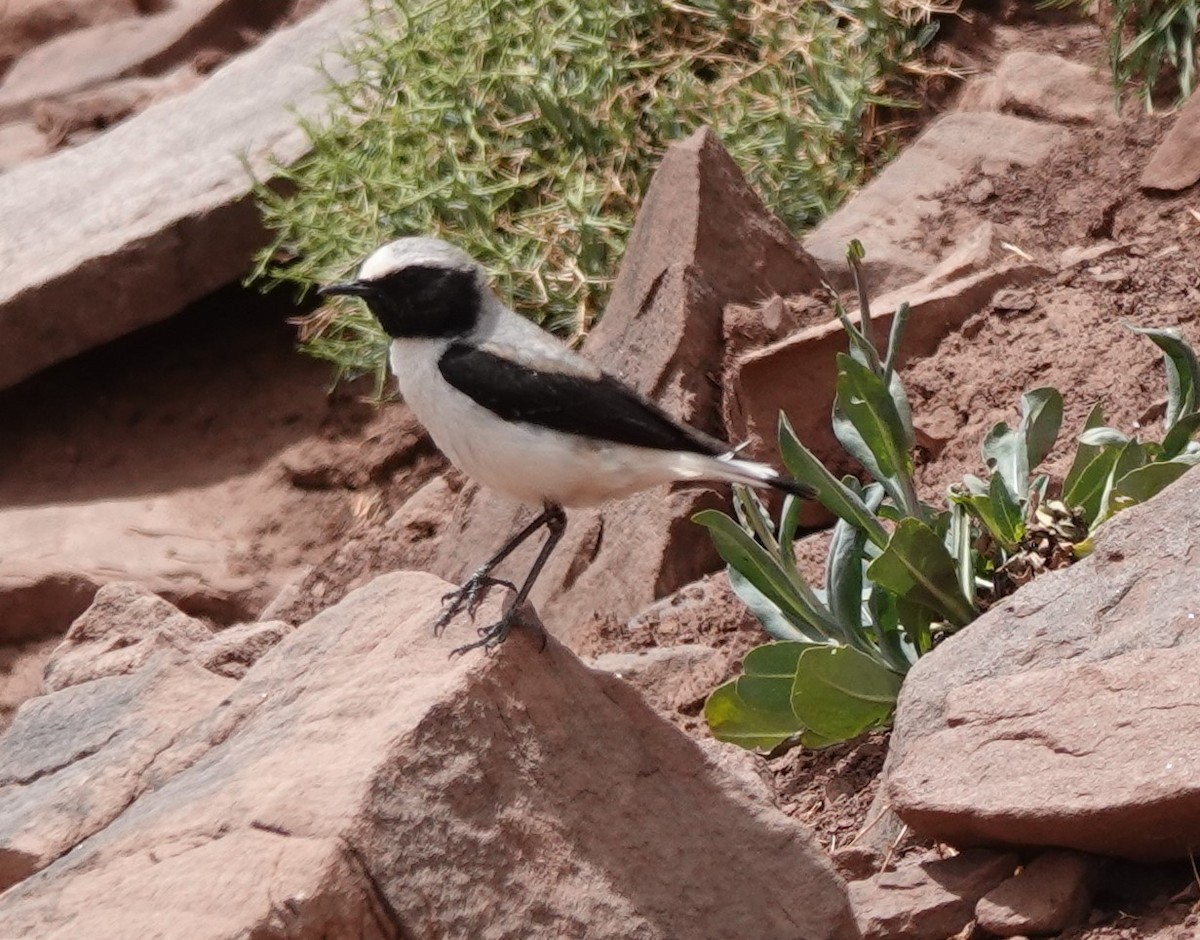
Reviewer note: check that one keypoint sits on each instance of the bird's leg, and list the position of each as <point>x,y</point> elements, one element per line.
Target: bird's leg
<point>470,595</point>
<point>493,635</point>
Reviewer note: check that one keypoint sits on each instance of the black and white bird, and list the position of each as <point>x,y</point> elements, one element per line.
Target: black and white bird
<point>517,411</point>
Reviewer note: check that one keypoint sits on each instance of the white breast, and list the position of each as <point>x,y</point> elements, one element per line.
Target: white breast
<point>524,461</point>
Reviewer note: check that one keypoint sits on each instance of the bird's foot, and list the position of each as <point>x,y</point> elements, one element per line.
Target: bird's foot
<point>469,596</point>
<point>494,634</point>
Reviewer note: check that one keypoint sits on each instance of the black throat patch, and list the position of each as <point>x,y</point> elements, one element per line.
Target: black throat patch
<point>425,301</point>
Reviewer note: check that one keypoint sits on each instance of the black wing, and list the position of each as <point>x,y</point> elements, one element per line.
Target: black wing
<point>598,407</point>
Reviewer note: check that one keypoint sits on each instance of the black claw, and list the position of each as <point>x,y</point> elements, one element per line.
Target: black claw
<point>472,592</point>
<point>469,596</point>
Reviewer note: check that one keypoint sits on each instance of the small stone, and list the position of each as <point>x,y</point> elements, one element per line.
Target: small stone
<point>1113,280</point>
<point>1049,895</point>
<point>930,900</point>
<point>1018,301</point>
<point>855,862</point>
<point>1078,255</point>
<point>980,192</point>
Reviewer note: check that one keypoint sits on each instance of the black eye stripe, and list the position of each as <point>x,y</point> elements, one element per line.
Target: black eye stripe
<point>426,301</point>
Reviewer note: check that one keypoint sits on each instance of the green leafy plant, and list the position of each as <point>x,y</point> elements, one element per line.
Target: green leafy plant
<point>901,573</point>
<point>1148,36</point>
<point>526,131</point>
<point>1146,40</point>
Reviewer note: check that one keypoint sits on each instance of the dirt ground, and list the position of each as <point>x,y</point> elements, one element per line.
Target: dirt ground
<point>217,404</point>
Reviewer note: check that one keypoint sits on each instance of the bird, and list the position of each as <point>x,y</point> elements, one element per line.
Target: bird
<point>518,411</point>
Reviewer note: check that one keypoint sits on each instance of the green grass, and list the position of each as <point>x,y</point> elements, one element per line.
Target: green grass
<point>1151,44</point>
<point>1149,37</point>
<point>526,132</point>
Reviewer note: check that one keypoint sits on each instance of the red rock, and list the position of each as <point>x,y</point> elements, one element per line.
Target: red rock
<point>21,667</point>
<point>700,211</point>
<point>155,214</point>
<point>702,240</point>
<point>233,651</point>
<point>670,677</point>
<point>928,900</point>
<point>144,45</point>
<point>1061,716</point>
<point>1175,163</point>
<point>102,106</point>
<point>1048,895</point>
<point>124,627</point>
<point>20,142</point>
<point>55,556</point>
<point>890,213</point>
<point>358,782</point>
<point>1043,86</point>
<point>26,23</point>
<point>40,604</point>
<point>119,691</point>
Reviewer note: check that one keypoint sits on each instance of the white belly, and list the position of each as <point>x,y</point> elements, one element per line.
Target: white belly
<point>524,461</point>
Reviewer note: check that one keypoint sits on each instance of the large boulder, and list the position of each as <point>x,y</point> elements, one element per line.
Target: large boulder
<point>1064,715</point>
<point>359,782</point>
<point>130,227</point>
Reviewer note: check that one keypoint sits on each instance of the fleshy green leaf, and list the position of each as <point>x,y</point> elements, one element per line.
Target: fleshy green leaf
<point>835,496</point>
<point>755,710</point>
<point>1084,483</point>
<point>844,567</point>
<point>1183,371</point>
<point>1104,437</point>
<point>1139,485</point>
<point>839,692</point>
<point>783,587</point>
<point>777,624</point>
<point>895,335</point>
<point>958,542</point>
<point>1041,420</point>
<point>1014,453</point>
<point>867,423</point>
<point>916,565</point>
<point>996,510</point>
<point>1129,458</point>
<point>1180,433</point>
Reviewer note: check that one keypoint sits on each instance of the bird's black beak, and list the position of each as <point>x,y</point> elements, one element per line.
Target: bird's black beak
<point>346,289</point>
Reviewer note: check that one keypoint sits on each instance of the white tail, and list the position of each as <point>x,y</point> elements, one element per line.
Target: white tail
<point>729,468</point>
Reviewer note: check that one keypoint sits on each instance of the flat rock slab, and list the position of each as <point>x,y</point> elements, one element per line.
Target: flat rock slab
<point>1067,715</point>
<point>889,214</point>
<point>119,691</point>
<point>55,557</point>
<point>1042,85</point>
<point>136,45</point>
<point>127,229</point>
<point>358,782</point>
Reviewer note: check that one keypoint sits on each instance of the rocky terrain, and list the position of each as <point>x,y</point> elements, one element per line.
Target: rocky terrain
<point>225,714</point>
